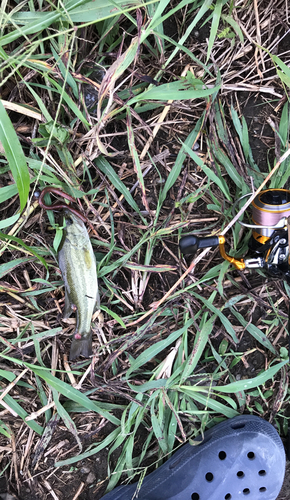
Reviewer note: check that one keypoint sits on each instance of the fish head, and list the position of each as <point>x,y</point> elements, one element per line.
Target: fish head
<point>75,228</point>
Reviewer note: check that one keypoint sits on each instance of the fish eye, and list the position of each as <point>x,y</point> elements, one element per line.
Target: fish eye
<point>68,221</point>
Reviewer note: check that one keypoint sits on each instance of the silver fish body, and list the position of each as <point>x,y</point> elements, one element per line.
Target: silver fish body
<point>78,267</point>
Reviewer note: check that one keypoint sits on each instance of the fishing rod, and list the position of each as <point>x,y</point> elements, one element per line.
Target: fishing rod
<point>268,245</point>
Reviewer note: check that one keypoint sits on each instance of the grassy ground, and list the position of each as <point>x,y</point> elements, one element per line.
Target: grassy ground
<point>156,117</point>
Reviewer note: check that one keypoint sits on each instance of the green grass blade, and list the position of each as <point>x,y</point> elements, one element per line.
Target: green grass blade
<point>219,181</point>
<point>234,25</point>
<point>153,350</point>
<point>208,402</point>
<point>71,393</point>
<point>214,26</point>
<point>108,170</point>
<point>9,266</point>
<point>69,423</point>
<point>254,331</point>
<point>21,243</point>
<point>223,318</point>
<point>251,383</point>
<point>15,156</point>
<point>198,348</point>
<point>22,414</point>
<point>106,442</point>
<point>176,91</point>
<point>135,158</point>
<point>158,429</point>
<point>10,221</point>
<point>176,169</point>
<point>205,5</point>
<point>231,171</point>
<point>75,110</point>
<point>6,432</point>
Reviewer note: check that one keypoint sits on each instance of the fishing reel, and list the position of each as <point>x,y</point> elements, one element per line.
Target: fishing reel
<point>269,243</point>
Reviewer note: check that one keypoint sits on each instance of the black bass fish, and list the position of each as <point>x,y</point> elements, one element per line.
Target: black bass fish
<point>78,267</point>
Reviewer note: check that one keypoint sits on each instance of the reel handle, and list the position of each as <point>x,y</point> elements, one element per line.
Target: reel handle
<point>190,244</point>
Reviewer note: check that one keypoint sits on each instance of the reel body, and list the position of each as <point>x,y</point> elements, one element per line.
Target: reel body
<point>269,244</point>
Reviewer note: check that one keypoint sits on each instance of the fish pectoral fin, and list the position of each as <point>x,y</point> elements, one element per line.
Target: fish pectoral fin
<point>81,347</point>
<point>68,307</point>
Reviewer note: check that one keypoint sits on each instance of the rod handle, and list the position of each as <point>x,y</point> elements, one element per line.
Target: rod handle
<point>190,244</point>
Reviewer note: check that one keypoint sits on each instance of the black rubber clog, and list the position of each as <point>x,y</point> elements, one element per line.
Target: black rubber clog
<point>241,458</point>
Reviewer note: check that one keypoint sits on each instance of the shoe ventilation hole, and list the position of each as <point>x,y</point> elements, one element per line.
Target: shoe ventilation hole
<point>246,491</point>
<point>222,455</point>
<point>262,489</point>
<point>228,496</point>
<point>240,474</point>
<point>195,496</point>
<point>251,455</point>
<point>237,426</point>
<point>209,476</point>
<point>262,472</point>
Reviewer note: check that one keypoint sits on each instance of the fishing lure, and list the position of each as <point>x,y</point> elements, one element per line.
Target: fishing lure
<point>58,205</point>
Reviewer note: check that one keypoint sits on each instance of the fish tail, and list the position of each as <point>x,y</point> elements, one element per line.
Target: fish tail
<point>81,347</point>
